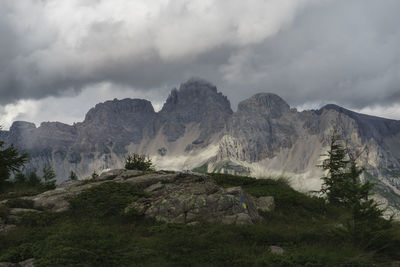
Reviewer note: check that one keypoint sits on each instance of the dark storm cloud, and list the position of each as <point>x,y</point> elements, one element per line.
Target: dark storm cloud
<point>343,51</point>
<point>51,46</point>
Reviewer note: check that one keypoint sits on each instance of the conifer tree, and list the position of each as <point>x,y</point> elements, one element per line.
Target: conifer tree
<point>343,187</point>
<point>73,176</point>
<point>34,179</point>
<point>48,174</point>
<point>10,161</point>
<point>334,184</point>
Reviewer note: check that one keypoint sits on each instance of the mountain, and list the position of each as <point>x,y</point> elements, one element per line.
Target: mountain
<point>196,128</point>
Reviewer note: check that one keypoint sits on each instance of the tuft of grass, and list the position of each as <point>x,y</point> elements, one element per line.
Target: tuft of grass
<point>20,203</point>
<point>17,191</point>
<point>107,199</point>
<point>201,169</point>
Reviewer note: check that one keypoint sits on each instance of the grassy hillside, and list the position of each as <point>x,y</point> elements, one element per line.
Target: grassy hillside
<point>96,232</point>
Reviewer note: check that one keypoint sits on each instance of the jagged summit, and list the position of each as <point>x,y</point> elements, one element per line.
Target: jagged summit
<point>195,92</point>
<point>122,107</point>
<point>196,101</point>
<point>264,103</point>
<point>22,126</point>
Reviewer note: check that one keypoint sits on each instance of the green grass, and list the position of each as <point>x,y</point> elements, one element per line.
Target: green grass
<point>20,203</point>
<point>202,169</point>
<point>96,232</point>
<point>14,190</point>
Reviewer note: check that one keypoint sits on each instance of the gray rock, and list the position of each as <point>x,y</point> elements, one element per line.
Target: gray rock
<point>266,204</point>
<point>8,264</point>
<point>110,175</point>
<point>27,263</point>
<point>276,250</point>
<point>154,187</point>
<point>189,197</point>
<point>17,211</point>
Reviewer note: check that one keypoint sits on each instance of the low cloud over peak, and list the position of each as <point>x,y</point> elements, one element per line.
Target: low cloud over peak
<point>306,51</point>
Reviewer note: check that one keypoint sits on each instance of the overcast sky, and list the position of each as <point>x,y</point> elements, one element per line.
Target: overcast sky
<point>59,58</point>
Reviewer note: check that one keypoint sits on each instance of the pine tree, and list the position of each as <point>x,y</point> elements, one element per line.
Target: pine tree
<point>10,161</point>
<point>20,178</point>
<point>73,176</point>
<point>48,174</point>
<point>34,179</point>
<point>334,184</point>
<point>342,187</point>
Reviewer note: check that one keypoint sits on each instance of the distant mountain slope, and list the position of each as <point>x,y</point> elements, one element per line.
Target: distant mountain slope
<point>197,127</point>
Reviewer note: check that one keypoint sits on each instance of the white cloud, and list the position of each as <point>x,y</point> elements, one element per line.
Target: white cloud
<point>16,111</point>
<point>389,112</point>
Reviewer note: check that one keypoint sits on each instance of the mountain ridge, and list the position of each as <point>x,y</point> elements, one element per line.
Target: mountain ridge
<point>197,127</point>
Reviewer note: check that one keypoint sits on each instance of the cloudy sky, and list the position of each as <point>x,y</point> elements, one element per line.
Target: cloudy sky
<point>59,58</point>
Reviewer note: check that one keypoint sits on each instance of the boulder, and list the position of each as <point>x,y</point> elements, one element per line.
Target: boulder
<point>266,204</point>
<point>276,250</point>
<point>191,197</point>
<point>8,264</point>
<point>27,263</point>
<point>17,211</point>
<point>109,175</point>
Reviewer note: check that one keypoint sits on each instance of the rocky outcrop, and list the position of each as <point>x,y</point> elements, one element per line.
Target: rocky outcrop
<point>191,198</point>
<point>175,197</point>
<point>25,263</point>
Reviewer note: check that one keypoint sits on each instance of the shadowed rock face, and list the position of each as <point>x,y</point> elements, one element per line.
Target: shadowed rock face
<point>126,120</point>
<point>266,104</point>
<point>262,125</point>
<point>196,101</point>
<point>197,127</point>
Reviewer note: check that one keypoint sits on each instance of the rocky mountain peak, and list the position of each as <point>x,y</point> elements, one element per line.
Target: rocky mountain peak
<point>368,126</point>
<point>195,94</point>
<point>121,108</point>
<point>264,103</point>
<point>196,101</point>
<point>22,126</point>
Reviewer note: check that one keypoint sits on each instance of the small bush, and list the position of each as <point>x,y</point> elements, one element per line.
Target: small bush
<point>19,253</point>
<point>73,176</point>
<point>138,162</point>
<point>34,179</point>
<point>38,219</point>
<point>3,212</point>
<point>94,175</point>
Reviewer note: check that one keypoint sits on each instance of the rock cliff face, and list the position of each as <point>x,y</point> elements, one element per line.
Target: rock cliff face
<point>197,127</point>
